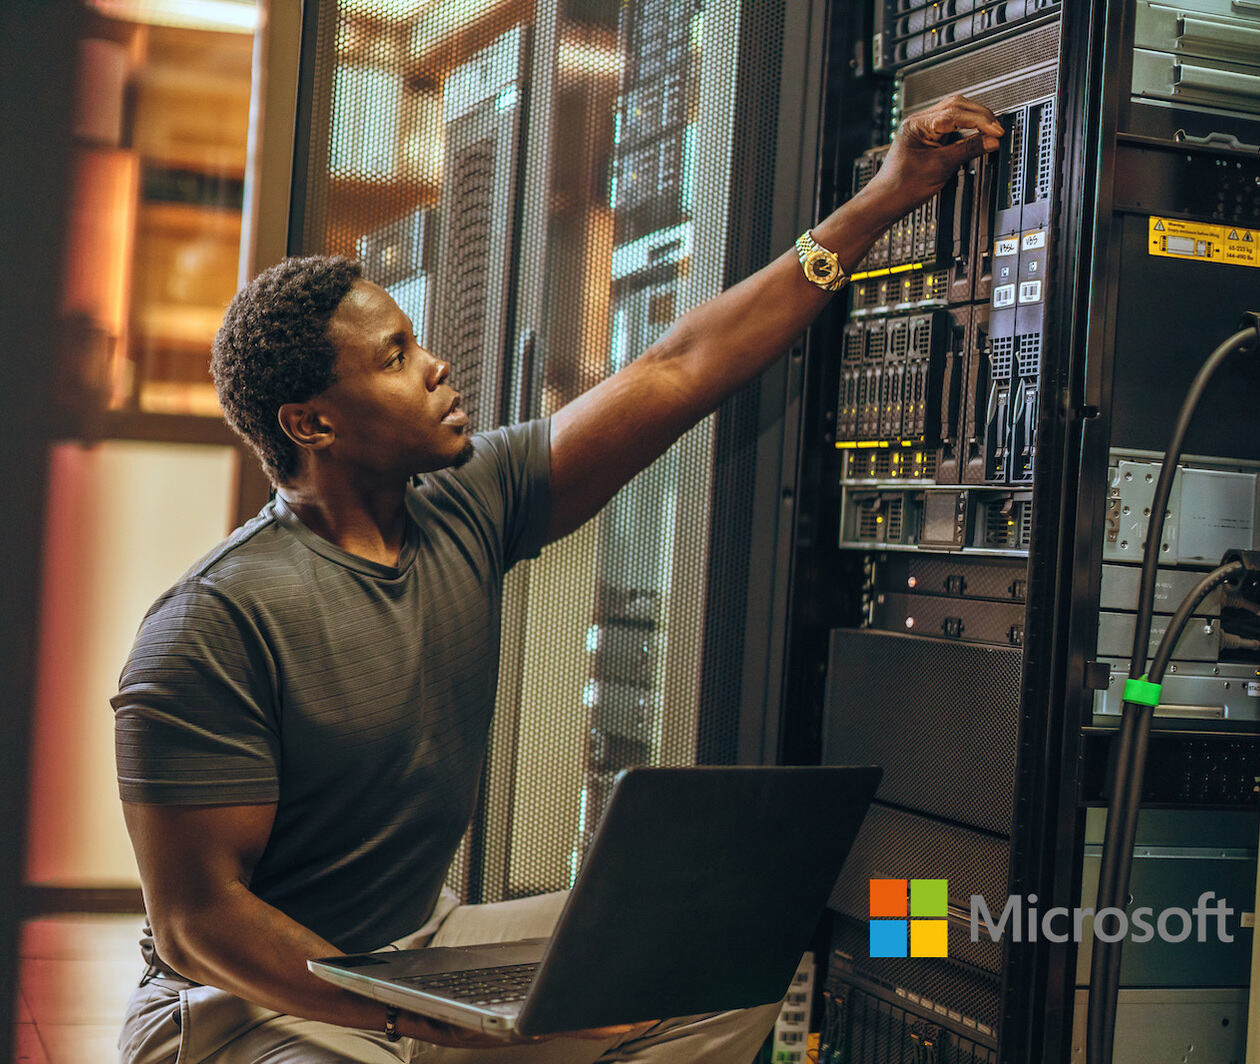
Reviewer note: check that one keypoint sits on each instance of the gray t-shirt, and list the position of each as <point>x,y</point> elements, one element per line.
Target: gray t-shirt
<point>355,696</point>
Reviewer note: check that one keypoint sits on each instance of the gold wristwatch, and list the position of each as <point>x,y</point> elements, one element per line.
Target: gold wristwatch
<point>820,265</point>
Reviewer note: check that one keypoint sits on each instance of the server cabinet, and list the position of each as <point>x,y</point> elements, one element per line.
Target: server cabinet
<point>988,412</point>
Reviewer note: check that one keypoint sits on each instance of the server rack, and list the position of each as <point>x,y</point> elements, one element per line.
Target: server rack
<point>985,413</point>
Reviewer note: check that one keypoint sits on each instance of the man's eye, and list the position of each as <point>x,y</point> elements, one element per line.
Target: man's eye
<point>399,358</point>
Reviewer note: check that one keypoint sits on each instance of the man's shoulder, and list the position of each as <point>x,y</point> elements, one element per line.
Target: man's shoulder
<point>256,556</point>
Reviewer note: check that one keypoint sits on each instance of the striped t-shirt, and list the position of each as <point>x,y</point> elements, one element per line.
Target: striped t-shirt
<point>355,696</point>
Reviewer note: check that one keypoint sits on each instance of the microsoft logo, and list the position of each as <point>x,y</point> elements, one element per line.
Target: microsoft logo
<point>909,911</point>
<point>909,918</point>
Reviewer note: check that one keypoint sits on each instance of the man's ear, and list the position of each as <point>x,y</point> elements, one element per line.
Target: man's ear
<point>306,425</point>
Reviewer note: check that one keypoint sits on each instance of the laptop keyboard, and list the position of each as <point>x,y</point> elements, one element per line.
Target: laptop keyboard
<point>477,986</point>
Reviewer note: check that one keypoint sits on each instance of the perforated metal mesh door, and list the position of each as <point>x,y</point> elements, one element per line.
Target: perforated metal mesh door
<point>521,177</point>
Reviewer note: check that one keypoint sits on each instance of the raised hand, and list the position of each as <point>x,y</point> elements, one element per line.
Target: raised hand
<point>931,145</point>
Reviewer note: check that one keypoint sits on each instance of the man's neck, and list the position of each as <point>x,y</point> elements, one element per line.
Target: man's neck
<point>369,522</point>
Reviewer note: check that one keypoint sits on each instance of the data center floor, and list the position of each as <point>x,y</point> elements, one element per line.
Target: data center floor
<point>77,973</point>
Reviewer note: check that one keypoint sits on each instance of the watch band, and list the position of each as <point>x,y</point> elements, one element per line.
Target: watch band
<point>821,266</point>
<point>392,1034</point>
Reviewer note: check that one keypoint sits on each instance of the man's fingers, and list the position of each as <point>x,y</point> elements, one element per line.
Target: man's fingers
<point>956,116</point>
<point>973,109</point>
<point>968,146</point>
<point>974,144</point>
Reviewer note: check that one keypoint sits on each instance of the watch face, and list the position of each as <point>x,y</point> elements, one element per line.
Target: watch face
<point>821,266</point>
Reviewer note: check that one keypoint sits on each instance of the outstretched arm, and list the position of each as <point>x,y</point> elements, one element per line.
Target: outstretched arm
<point>607,435</point>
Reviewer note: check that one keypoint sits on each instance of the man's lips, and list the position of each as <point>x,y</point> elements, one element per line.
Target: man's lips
<point>455,415</point>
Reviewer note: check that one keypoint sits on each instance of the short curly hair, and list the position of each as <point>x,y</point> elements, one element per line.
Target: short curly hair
<point>273,348</point>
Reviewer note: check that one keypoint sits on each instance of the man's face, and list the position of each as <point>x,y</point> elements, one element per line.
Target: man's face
<point>392,409</point>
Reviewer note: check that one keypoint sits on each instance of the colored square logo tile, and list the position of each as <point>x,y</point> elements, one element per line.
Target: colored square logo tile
<point>929,898</point>
<point>888,899</point>
<point>929,938</point>
<point>888,938</point>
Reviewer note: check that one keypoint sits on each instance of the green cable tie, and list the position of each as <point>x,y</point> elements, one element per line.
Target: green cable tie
<point>1142,691</point>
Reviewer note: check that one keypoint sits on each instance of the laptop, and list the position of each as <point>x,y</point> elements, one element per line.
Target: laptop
<point>700,892</point>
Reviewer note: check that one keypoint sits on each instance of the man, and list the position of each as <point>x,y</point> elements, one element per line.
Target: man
<point>302,720</point>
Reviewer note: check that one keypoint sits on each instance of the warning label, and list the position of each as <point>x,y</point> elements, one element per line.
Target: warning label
<point>1179,239</point>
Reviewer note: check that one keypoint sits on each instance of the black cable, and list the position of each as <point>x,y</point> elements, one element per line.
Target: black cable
<point>1126,790</point>
<point>1105,963</point>
<point>1163,489</point>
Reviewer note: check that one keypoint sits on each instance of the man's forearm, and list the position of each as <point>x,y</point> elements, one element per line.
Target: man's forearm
<point>241,944</point>
<point>601,439</point>
<point>725,342</point>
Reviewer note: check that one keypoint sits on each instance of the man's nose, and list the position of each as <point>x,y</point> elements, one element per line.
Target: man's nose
<point>438,372</point>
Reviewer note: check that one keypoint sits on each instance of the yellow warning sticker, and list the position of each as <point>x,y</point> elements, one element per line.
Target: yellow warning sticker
<point>1229,244</point>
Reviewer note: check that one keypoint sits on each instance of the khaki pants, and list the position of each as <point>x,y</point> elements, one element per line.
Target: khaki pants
<point>170,1022</point>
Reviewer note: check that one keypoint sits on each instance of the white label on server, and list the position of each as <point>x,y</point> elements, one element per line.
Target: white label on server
<point>1007,246</point>
<point>1029,291</point>
<point>1004,295</point>
<point>1033,241</point>
<point>1253,689</point>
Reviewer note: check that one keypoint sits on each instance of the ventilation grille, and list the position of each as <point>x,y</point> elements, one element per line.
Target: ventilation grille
<point>869,294</point>
<point>1001,356</point>
<point>1029,354</point>
<point>1044,172</point>
<point>869,526</point>
<point>921,337</point>
<point>896,510</point>
<point>879,519</point>
<point>876,332</point>
<point>936,286</point>
<point>999,528</point>
<point>854,341</point>
<point>1013,194</point>
<point>898,340</point>
<point>918,288</point>
<point>987,70</point>
<point>887,463</point>
<point>869,465</point>
<point>1010,528</point>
